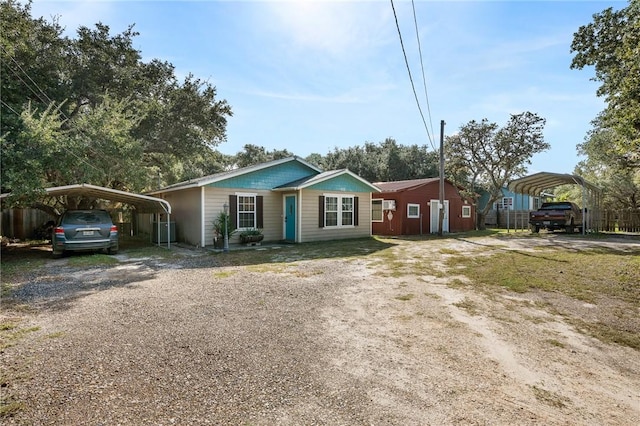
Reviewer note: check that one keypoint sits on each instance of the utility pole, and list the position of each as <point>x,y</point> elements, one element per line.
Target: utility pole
<point>441,200</point>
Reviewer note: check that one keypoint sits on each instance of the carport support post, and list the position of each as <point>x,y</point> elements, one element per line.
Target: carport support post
<point>586,220</point>
<point>441,189</point>
<point>225,247</point>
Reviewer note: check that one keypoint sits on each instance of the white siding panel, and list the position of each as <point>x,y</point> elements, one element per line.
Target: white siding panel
<point>312,232</point>
<point>272,211</point>
<point>185,212</point>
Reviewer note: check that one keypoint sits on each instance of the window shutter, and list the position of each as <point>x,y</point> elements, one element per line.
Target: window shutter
<point>355,211</point>
<point>321,212</point>
<point>259,210</point>
<point>233,210</point>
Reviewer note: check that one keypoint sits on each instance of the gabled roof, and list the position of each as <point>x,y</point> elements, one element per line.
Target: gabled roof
<point>534,184</point>
<point>323,177</point>
<point>217,177</point>
<point>143,203</point>
<point>404,185</point>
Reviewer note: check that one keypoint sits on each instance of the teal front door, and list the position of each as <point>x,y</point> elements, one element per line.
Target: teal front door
<point>290,218</point>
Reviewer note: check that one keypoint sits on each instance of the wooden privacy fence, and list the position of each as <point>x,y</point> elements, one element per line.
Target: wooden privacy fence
<point>22,223</point>
<point>620,220</point>
<point>624,220</point>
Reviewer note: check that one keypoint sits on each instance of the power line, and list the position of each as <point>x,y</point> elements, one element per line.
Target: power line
<point>45,101</point>
<point>413,87</point>
<point>9,106</point>
<point>424,79</point>
<point>28,76</point>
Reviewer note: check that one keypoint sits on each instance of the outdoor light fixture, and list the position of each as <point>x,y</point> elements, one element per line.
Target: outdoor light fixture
<point>225,248</point>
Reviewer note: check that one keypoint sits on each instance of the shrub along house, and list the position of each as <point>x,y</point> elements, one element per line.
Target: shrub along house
<point>410,207</point>
<point>288,199</point>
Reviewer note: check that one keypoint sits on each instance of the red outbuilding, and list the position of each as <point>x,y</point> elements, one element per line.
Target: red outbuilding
<point>410,207</point>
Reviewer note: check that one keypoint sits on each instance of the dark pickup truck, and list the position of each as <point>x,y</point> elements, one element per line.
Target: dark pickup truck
<point>556,215</point>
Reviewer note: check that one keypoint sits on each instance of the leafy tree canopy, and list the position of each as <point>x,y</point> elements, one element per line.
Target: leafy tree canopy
<point>88,109</point>
<point>484,156</point>
<point>382,162</point>
<point>611,43</point>
<point>620,182</point>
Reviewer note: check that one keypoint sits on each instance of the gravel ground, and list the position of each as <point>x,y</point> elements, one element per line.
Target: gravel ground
<point>326,341</point>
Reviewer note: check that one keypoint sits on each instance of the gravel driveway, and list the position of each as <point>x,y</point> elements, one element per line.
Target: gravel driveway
<point>330,341</point>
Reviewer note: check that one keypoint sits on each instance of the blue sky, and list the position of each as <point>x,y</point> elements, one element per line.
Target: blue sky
<point>310,76</point>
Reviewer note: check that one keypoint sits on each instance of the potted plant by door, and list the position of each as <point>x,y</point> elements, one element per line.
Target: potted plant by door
<point>218,229</point>
<point>253,235</point>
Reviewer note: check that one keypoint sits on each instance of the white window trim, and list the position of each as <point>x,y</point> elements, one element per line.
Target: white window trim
<point>510,205</point>
<point>339,197</point>
<point>467,208</point>
<point>255,206</point>
<point>410,216</point>
<point>380,200</point>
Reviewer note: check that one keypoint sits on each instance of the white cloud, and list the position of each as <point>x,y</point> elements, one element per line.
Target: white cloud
<point>334,28</point>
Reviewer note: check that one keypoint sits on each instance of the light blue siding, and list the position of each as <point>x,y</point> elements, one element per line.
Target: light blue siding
<point>520,201</point>
<point>268,178</point>
<point>344,183</point>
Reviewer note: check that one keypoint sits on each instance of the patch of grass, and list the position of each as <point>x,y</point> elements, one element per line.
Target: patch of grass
<point>589,275</point>
<point>468,305</point>
<point>550,398</point>
<point>582,275</point>
<point>11,332</point>
<point>55,335</point>
<point>151,251</point>
<point>9,408</point>
<point>224,274</point>
<point>276,268</point>
<point>433,296</point>
<point>556,343</point>
<point>359,248</point>
<point>307,273</point>
<point>457,283</point>
<point>608,332</point>
<point>448,251</point>
<point>406,297</point>
<point>92,260</point>
<point>8,326</point>
<point>5,290</point>
<point>12,270</point>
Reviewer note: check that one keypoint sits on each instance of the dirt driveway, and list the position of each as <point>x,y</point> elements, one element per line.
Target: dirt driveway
<point>330,340</point>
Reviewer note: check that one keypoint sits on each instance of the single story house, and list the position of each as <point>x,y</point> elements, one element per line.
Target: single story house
<point>410,207</point>
<point>511,201</point>
<point>288,199</point>
<point>518,206</point>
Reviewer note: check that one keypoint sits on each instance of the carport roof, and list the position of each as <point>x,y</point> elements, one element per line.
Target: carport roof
<point>534,184</point>
<point>142,203</point>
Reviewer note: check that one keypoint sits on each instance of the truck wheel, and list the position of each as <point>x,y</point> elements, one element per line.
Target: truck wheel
<point>571,227</point>
<point>536,229</point>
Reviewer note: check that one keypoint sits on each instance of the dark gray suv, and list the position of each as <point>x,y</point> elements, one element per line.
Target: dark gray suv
<point>80,230</point>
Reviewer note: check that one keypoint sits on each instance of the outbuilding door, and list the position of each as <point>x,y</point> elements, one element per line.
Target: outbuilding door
<point>290,218</point>
<point>434,219</point>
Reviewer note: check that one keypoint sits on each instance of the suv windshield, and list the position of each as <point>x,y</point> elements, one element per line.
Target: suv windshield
<point>82,218</point>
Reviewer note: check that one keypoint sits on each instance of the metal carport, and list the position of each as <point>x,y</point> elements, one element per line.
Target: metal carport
<point>533,185</point>
<point>142,203</point>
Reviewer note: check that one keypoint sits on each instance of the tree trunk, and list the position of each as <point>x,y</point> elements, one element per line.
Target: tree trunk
<point>480,225</point>
<point>52,211</point>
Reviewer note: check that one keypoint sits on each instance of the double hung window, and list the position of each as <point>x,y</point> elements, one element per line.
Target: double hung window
<point>338,210</point>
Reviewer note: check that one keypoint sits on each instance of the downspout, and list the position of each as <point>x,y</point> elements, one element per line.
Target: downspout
<point>298,238</point>
<point>202,211</point>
